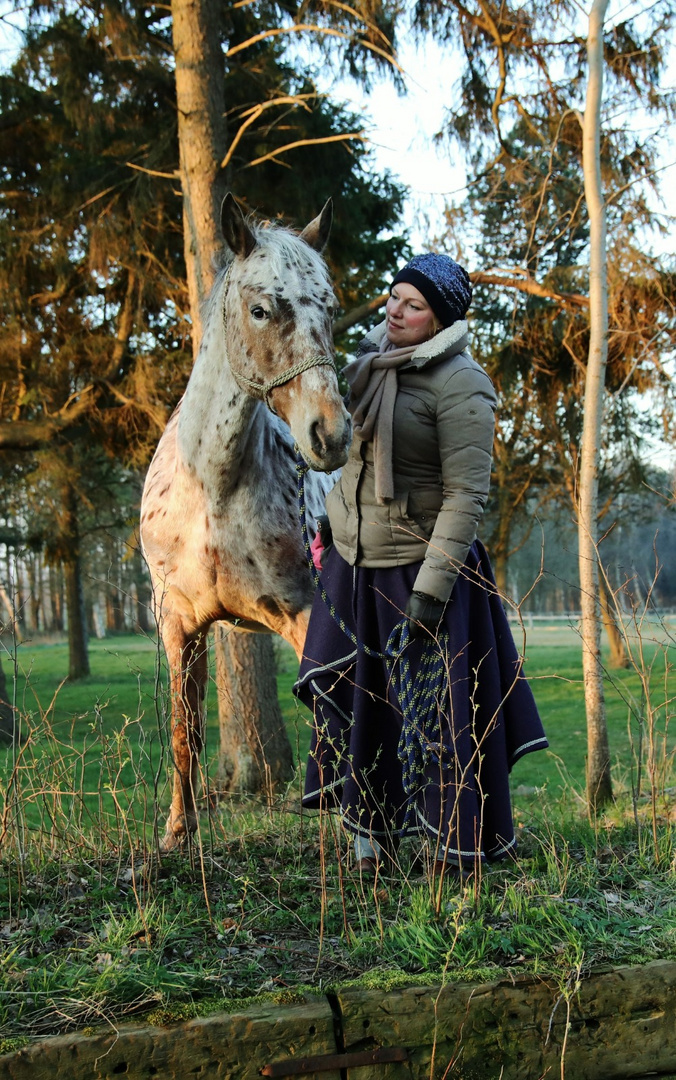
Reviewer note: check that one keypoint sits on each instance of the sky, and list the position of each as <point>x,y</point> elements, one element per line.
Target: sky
<point>403,128</point>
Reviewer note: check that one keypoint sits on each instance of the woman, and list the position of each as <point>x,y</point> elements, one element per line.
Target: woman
<point>403,520</point>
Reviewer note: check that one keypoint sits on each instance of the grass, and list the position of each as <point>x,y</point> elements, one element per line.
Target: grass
<point>94,927</point>
<point>122,689</point>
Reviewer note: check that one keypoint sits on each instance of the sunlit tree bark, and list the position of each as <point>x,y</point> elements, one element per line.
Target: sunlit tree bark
<point>249,713</point>
<point>255,752</point>
<point>201,140</point>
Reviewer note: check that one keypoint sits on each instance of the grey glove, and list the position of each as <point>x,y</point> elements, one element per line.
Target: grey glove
<point>424,614</point>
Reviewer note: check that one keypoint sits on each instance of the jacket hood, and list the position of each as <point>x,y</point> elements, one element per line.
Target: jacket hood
<point>452,340</point>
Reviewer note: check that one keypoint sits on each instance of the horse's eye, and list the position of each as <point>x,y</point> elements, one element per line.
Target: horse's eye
<point>259,313</point>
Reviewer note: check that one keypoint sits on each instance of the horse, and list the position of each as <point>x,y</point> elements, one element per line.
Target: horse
<point>219,527</point>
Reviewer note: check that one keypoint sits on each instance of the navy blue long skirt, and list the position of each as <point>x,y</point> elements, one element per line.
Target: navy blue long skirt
<point>487,722</point>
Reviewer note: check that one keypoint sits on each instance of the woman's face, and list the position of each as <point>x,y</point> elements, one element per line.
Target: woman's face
<point>409,319</point>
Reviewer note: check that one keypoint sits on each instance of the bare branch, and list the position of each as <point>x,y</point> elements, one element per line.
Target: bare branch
<point>366,22</point>
<point>357,314</point>
<point>518,279</point>
<point>529,285</point>
<point>306,142</point>
<point>256,111</point>
<point>156,413</point>
<point>153,172</point>
<point>34,434</point>
<point>314,29</point>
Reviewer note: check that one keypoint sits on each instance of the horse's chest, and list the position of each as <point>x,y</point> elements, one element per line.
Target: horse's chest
<point>256,555</point>
<point>250,528</point>
<point>265,495</point>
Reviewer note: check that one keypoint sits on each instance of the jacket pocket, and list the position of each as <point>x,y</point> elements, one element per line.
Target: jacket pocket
<point>423,508</point>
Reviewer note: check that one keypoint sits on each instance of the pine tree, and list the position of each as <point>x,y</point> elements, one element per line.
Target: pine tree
<point>95,334</point>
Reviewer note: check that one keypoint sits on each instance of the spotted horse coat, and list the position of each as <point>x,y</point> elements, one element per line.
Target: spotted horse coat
<point>219,525</point>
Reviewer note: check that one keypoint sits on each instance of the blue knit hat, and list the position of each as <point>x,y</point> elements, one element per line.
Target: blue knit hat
<point>442,281</point>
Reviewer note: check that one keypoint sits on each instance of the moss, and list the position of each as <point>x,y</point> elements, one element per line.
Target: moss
<point>10,1046</point>
<point>383,979</point>
<point>297,996</point>
<point>386,979</point>
<point>178,1012</point>
<point>174,1013</point>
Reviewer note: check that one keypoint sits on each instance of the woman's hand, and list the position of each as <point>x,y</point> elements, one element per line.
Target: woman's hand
<point>322,541</point>
<point>424,614</point>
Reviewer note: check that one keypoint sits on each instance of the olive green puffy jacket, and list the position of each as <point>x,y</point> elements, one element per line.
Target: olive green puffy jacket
<point>444,419</point>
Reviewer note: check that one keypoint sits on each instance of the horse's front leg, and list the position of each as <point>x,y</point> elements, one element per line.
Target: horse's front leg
<point>189,671</point>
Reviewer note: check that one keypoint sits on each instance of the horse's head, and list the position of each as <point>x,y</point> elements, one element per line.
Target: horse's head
<point>278,308</point>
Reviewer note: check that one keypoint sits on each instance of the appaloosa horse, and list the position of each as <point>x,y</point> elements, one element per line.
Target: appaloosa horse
<point>219,526</point>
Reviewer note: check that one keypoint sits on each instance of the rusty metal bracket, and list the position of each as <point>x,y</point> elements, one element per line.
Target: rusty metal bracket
<point>324,1062</point>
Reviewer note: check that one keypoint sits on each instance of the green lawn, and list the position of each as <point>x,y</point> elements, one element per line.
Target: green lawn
<point>126,696</point>
<point>95,926</point>
<point>97,762</point>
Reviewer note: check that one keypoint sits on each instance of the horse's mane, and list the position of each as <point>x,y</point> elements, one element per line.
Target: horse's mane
<point>284,249</point>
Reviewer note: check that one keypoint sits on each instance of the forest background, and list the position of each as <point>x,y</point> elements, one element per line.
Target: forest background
<point>94,345</point>
<point>95,339</point>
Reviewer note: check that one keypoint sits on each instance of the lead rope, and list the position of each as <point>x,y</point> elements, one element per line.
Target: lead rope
<point>420,698</point>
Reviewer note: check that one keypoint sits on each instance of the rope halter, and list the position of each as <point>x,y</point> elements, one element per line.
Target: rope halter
<point>259,388</point>
<point>262,390</point>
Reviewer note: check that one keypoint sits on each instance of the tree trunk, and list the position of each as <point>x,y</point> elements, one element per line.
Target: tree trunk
<point>242,660</point>
<point>114,609</point>
<point>599,787</point>
<point>8,721</point>
<point>499,542</point>
<point>56,599</point>
<point>618,649</point>
<point>78,649</point>
<point>35,586</point>
<point>255,754</point>
<point>19,596</point>
<point>143,592</point>
<point>202,140</point>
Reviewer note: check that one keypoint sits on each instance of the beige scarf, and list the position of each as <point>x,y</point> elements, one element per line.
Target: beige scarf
<point>372,379</point>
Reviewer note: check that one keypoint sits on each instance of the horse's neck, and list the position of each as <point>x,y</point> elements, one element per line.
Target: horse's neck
<point>218,424</point>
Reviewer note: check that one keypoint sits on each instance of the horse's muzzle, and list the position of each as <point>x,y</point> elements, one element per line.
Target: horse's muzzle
<point>328,445</point>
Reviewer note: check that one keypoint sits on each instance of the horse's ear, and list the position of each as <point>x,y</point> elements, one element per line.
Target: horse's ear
<point>316,234</point>
<point>236,233</point>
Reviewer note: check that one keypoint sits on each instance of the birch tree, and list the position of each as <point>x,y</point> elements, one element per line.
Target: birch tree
<point>599,786</point>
